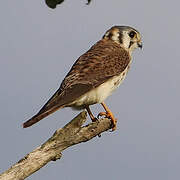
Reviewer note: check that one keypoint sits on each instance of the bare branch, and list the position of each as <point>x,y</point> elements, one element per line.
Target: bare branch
<point>71,134</point>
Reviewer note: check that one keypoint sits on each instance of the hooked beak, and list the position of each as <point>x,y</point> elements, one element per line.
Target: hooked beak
<point>140,44</point>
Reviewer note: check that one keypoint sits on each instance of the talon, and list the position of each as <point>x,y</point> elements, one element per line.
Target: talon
<point>114,125</point>
<point>109,115</point>
<point>101,114</point>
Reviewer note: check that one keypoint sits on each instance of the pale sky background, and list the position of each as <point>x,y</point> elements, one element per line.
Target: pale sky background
<point>38,45</point>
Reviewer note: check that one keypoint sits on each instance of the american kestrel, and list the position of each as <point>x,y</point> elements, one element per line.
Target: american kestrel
<point>95,75</point>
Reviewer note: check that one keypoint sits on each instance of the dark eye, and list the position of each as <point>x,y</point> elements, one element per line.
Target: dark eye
<point>132,34</point>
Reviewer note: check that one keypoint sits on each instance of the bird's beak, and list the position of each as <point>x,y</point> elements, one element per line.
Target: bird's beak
<point>140,45</point>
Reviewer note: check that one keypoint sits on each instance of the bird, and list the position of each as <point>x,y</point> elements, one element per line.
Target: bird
<point>95,75</point>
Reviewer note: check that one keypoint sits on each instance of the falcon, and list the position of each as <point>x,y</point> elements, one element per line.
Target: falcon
<point>95,75</point>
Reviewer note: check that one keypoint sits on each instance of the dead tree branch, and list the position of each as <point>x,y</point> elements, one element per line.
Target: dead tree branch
<point>71,134</point>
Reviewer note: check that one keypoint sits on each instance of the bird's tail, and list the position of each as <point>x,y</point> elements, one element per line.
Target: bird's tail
<point>40,116</point>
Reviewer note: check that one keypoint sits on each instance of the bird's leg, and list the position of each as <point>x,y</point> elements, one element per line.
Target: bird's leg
<point>91,114</point>
<point>109,115</point>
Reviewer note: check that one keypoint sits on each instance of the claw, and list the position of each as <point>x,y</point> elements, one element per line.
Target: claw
<point>101,114</point>
<point>114,126</point>
<point>109,115</point>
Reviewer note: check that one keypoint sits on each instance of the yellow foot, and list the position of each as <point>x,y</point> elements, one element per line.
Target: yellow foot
<point>109,115</point>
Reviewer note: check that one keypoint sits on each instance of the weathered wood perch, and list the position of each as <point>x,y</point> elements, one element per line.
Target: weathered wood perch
<point>71,134</point>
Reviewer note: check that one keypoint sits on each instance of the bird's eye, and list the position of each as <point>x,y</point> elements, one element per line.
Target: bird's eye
<point>132,34</point>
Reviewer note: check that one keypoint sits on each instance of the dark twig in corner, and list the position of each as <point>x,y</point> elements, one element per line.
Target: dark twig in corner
<point>53,3</point>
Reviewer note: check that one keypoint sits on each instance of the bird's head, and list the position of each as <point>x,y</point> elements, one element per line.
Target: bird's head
<point>128,37</point>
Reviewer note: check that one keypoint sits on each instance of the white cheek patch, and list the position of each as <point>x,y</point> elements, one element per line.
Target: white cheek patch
<point>126,40</point>
<point>115,37</point>
<point>113,34</point>
<point>107,34</point>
